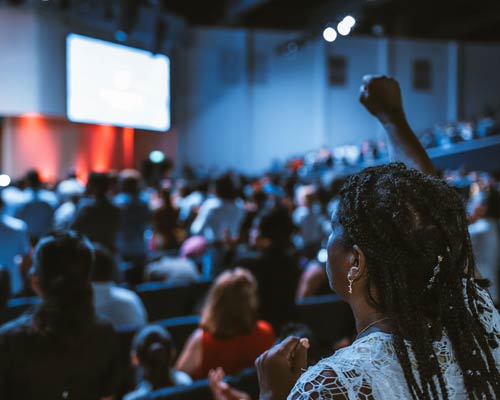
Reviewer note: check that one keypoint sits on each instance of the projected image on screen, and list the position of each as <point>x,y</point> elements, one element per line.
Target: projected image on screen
<point>117,85</point>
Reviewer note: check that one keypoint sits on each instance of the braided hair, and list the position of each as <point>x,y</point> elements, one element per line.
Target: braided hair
<point>413,231</point>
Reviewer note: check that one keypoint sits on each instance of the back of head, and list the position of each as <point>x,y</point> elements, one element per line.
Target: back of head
<point>224,188</point>
<point>413,231</point>
<point>275,223</point>
<point>232,305</point>
<point>155,350</point>
<point>104,264</point>
<point>129,181</point>
<point>63,264</point>
<point>98,184</point>
<point>32,179</point>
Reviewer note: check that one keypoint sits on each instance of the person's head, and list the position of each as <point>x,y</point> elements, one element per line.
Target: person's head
<point>62,267</point>
<point>401,238</point>
<point>98,184</point>
<point>154,351</point>
<point>104,264</point>
<point>306,195</point>
<point>272,229</point>
<point>232,305</point>
<point>129,181</point>
<point>224,188</point>
<point>32,179</point>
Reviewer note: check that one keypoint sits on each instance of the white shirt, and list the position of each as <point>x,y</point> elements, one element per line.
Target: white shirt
<point>172,269</point>
<point>310,223</point>
<point>15,244</point>
<point>179,378</point>
<point>118,305</point>
<point>215,217</point>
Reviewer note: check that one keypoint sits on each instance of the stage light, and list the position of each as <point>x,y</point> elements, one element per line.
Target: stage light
<point>349,21</point>
<point>343,28</point>
<point>4,180</point>
<point>329,34</point>
<point>157,156</point>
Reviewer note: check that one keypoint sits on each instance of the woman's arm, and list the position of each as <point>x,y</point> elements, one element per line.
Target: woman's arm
<point>190,359</point>
<point>381,96</point>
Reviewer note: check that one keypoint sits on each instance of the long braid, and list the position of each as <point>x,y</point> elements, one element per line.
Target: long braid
<point>413,231</point>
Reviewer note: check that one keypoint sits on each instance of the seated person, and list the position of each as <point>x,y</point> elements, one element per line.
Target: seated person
<point>230,335</point>
<point>182,268</point>
<point>154,351</point>
<point>118,305</point>
<point>61,351</point>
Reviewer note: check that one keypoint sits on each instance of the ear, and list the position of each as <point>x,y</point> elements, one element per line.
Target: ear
<point>134,359</point>
<point>358,263</point>
<point>35,285</point>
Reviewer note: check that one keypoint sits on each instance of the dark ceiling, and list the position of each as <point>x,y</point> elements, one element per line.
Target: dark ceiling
<point>448,19</point>
<point>442,19</point>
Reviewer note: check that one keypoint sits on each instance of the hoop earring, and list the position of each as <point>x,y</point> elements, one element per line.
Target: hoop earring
<point>349,278</point>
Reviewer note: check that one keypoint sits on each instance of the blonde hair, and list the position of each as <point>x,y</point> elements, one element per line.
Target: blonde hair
<point>232,305</point>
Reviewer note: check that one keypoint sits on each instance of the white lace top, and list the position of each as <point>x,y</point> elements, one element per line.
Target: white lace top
<point>369,368</point>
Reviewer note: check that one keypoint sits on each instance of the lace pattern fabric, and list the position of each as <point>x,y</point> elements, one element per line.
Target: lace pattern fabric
<point>369,369</point>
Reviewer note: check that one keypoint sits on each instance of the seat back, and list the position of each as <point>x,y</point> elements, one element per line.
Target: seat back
<point>17,307</point>
<point>328,316</point>
<point>165,300</point>
<point>180,328</point>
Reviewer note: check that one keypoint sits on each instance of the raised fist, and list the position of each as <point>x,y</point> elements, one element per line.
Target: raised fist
<point>381,96</point>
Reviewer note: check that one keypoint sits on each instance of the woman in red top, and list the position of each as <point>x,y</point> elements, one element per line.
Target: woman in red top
<point>230,335</point>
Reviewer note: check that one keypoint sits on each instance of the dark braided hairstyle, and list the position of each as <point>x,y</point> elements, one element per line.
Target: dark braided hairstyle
<point>413,231</point>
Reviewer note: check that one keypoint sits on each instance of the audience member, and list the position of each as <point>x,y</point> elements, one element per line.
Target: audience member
<point>166,229</point>
<point>154,352</point>
<point>118,305</point>
<point>62,351</point>
<point>38,206</point>
<point>230,335</point>
<point>134,217</point>
<point>15,248</point>
<point>219,216</point>
<point>310,221</point>
<point>97,217</point>
<point>274,264</point>
<point>70,187</point>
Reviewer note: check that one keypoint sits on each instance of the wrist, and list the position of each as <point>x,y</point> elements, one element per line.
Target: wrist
<point>396,117</point>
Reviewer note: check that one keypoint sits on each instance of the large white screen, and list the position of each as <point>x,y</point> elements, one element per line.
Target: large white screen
<point>117,85</point>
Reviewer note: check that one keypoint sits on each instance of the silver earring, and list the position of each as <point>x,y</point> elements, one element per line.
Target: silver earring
<point>349,278</point>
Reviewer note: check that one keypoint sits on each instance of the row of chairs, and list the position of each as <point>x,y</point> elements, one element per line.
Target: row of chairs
<point>162,300</point>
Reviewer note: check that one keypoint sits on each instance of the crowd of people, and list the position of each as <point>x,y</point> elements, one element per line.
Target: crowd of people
<point>394,241</point>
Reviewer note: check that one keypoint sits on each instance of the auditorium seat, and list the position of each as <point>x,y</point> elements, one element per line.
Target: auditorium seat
<point>167,300</point>
<point>180,328</point>
<point>245,381</point>
<point>328,316</point>
<point>199,390</point>
<point>16,307</point>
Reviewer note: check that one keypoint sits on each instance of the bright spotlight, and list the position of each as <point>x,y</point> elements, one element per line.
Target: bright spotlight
<point>4,180</point>
<point>329,34</point>
<point>344,28</point>
<point>157,156</point>
<point>350,21</point>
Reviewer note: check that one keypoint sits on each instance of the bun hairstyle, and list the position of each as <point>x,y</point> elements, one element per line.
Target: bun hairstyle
<point>154,348</point>
<point>63,264</point>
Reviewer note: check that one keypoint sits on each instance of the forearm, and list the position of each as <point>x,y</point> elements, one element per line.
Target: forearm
<point>404,146</point>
